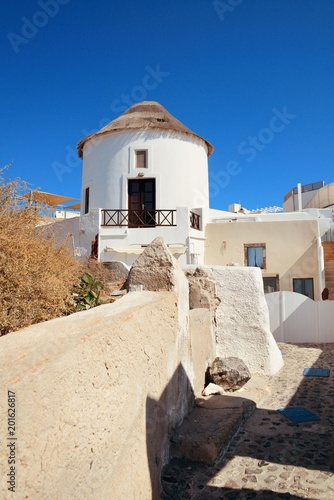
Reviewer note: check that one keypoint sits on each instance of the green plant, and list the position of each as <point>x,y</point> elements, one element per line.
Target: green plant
<point>86,294</point>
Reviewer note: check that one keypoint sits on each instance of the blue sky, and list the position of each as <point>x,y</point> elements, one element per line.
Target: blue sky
<point>253,77</point>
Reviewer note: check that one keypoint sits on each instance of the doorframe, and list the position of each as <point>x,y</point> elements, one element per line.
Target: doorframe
<point>124,201</point>
<point>145,214</point>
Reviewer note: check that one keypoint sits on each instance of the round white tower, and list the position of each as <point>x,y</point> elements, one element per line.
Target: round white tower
<point>144,159</point>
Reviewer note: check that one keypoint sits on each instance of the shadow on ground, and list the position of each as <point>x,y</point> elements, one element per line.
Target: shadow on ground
<point>269,439</point>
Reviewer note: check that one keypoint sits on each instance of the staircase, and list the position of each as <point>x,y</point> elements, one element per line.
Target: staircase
<point>328,247</point>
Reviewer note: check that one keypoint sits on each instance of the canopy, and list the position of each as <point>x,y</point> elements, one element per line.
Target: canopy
<point>46,198</point>
<point>75,206</point>
<point>138,250</point>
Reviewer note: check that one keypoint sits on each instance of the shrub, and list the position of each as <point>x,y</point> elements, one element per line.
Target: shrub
<point>36,275</point>
<point>86,294</point>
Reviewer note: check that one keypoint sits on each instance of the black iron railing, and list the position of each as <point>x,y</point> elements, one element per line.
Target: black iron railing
<point>138,218</point>
<point>195,221</point>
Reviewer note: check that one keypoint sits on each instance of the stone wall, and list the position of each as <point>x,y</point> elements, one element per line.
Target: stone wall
<point>99,393</point>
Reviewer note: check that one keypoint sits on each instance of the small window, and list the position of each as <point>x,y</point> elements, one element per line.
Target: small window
<point>255,255</point>
<point>270,284</point>
<point>87,200</point>
<point>304,286</point>
<point>141,158</point>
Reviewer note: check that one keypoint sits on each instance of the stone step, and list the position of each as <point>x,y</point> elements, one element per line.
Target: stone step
<point>210,427</point>
<point>207,431</point>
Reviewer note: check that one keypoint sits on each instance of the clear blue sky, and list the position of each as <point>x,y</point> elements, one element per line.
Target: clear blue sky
<point>253,77</point>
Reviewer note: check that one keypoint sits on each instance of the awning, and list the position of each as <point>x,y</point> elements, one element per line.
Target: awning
<point>46,198</point>
<point>76,206</point>
<point>174,249</point>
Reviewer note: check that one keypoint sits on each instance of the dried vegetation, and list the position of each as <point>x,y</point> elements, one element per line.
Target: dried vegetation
<point>37,277</point>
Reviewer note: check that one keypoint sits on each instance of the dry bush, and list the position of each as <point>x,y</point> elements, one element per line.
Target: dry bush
<point>36,276</point>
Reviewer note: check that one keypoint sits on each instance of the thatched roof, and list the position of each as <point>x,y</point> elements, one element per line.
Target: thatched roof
<point>146,115</point>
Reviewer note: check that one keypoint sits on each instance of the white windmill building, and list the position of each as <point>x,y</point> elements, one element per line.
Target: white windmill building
<point>143,175</point>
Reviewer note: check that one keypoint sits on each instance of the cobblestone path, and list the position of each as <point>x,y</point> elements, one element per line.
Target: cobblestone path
<point>271,457</point>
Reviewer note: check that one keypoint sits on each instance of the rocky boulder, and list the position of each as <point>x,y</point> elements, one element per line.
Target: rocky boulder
<point>118,271</point>
<point>155,268</point>
<point>202,291</point>
<point>229,373</point>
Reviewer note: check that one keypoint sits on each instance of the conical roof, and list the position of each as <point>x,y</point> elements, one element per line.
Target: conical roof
<point>146,115</point>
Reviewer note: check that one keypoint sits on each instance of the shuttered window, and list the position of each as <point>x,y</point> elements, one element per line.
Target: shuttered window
<point>255,255</point>
<point>87,200</point>
<point>141,158</point>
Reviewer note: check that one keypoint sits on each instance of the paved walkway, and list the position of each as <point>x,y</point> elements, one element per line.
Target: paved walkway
<point>271,457</point>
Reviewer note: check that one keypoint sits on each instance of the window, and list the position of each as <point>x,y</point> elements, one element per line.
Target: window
<point>87,200</point>
<point>304,286</point>
<point>255,255</point>
<point>270,284</point>
<point>141,158</point>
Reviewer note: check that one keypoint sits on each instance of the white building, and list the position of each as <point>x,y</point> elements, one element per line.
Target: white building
<point>146,175</point>
<point>294,249</point>
<point>143,175</point>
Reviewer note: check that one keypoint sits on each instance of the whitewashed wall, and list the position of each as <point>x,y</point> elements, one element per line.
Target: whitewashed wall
<point>181,234</point>
<point>297,319</point>
<point>179,163</point>
<point>79,233</point>
<point>242,320</point>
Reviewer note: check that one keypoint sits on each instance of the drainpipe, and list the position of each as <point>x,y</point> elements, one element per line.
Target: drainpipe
<point>299,198</point>
<point>321,267</point>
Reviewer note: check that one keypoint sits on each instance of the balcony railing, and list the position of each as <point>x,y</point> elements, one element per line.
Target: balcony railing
<point>195,221</point>
<point>138,218</point>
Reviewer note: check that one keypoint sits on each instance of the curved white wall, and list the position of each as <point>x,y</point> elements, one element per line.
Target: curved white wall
<point>178,163</point>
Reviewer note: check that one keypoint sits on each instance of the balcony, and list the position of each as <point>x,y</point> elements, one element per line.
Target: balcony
<point>144,218</point>
<point>138,218</point>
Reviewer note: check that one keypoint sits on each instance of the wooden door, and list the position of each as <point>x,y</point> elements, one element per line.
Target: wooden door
<point>141,202</point>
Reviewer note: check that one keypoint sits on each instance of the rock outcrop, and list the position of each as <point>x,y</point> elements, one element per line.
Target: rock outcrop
<point>155,268</point>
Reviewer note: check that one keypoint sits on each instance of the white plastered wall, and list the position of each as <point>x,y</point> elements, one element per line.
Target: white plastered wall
<point>177,162</point>
<point>242,319</point>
